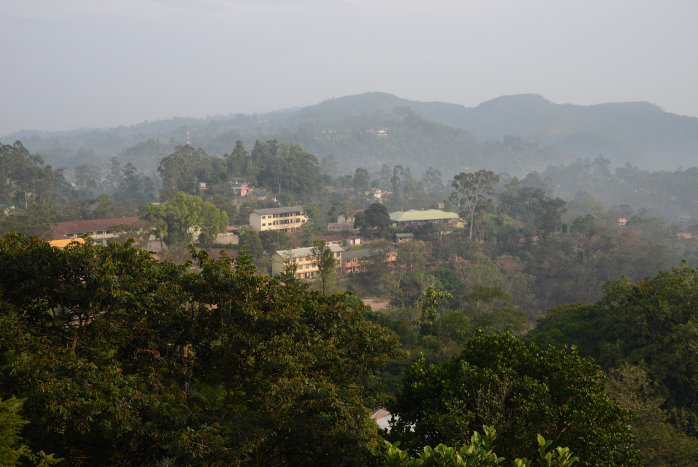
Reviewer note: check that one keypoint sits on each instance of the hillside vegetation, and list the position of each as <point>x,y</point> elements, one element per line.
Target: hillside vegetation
<point>516,134</point>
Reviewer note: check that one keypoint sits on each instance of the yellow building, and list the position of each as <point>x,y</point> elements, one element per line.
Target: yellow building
<point>65,242</point>
<point>304,259</point>
<point>287,219</point>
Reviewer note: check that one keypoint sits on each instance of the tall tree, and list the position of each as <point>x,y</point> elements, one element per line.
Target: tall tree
<point>432,180</point>
<point>26,177</point>
<point>134,185</point>
<point>185,214</point>
<point>361,180</point>
<point>374,218</point>
<point>87,176</point>
<point>473,192</point>
<point>326,263</point>
<point>238,161</point>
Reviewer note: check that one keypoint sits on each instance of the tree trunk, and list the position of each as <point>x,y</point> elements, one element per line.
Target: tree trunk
<point>472,219</point>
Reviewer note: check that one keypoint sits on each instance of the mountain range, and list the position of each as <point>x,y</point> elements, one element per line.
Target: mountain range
<point>514,134</point>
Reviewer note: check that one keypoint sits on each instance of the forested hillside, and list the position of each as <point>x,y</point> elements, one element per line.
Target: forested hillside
<point>637,133</point>
<point>515,134</point>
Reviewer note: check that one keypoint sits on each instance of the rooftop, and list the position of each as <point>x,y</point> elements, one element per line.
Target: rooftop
<point>279,210</point>
<point>307,251</point>
<point>60,229</point>
<point>414,215</point>
<point>365,253</point>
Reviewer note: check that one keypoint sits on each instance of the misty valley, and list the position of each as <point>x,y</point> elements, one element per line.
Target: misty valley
<point>366,281</point>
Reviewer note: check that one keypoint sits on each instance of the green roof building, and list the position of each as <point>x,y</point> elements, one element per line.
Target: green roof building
<point>414,216</point>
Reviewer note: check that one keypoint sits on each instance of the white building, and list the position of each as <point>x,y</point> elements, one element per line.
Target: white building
<point>287,219</point>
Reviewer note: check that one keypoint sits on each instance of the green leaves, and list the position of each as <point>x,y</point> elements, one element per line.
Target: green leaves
<point>652,323</point>
<point>126,360</point>
<point>184,215</point>
<point>520,390</point>
<point>478,453</point>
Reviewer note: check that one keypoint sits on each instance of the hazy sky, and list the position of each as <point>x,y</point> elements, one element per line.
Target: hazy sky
<point>66,64</point>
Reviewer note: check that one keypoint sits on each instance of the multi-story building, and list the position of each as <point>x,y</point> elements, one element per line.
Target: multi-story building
<point>287,219</point>
<point>304,259</point>
<point>359,260</point>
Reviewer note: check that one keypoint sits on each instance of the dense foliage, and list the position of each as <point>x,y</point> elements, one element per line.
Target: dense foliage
<point>521,391</point>
<point>126,360</point>
<point>652,323</point>
<point>479,452</point>
<point>185,215</point>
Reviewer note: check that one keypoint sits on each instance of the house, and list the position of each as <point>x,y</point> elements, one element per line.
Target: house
<point>352,241</point>
<point>240,187</point>
<point>100,230</point>
<point>287,219</point>
<point>201,190</point>
<point>358,260</point>
<point>328,239</point>
<point>347,217</point>
<point>424,216</point>
<point>227,239</point>
<point>383,419</point>
<point>404,237</point>
<point>304,260</point>
<point>377,194</point>
<point>339,227</point>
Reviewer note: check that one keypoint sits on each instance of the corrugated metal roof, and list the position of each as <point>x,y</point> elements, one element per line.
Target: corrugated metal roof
<point>414,215</point>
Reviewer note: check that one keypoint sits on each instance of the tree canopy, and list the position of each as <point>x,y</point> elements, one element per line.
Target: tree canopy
<point>520,390</point>
<point>472,192</point>
<point>126,360</point>
<point>184,214</point>
<point>374,218</point>
<point>652,323</point>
